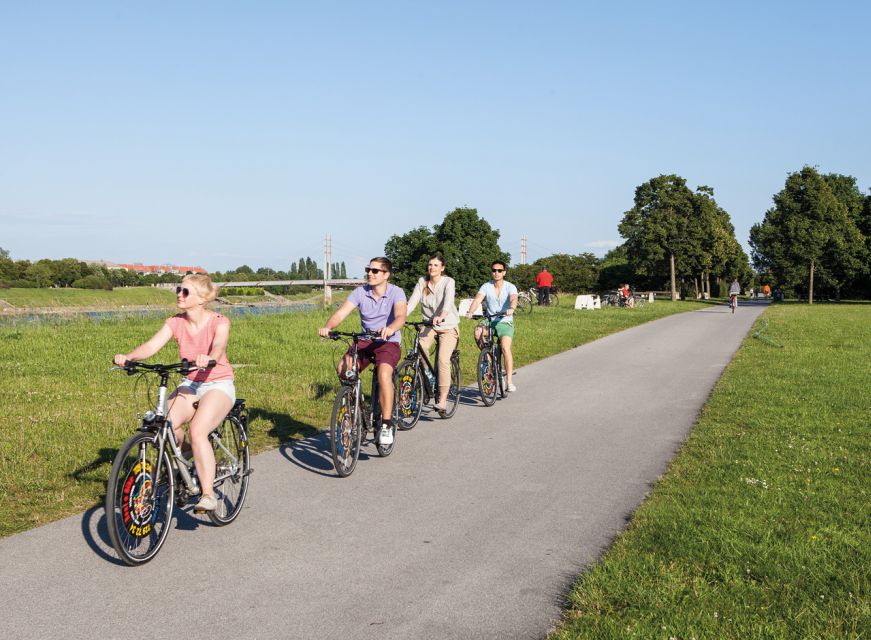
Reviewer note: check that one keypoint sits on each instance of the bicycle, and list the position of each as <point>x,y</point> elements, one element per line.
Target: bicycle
<point>532,292</point>
<point>733,301</point>
<point>417,382</point>
<point>150,474</point>
<point>352,416</point>
<point>492,377</point>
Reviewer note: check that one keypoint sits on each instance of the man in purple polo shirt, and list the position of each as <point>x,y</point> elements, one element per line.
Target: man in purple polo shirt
<point>383,309</point>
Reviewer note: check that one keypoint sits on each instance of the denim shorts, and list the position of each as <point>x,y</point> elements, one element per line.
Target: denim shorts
<point>199,389</point>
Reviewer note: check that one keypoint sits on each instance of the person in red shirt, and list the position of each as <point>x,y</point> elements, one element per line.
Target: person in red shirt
<point>544,280</point>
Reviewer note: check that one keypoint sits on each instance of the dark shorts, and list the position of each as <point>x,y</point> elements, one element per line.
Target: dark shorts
<point>379,352</point>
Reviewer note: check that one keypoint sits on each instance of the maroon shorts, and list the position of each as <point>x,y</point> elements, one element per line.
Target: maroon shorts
<point>377,351</point>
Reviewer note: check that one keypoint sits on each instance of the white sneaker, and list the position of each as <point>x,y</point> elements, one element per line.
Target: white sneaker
<point>385,438</point>
<point>511,388</point>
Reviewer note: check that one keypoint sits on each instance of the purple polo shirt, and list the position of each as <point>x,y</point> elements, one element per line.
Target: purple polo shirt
<point>375,314</point>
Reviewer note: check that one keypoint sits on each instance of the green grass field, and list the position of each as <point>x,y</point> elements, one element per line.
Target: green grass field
<point>97,299</point>
<point>66,414</point>
<point>762,526</point>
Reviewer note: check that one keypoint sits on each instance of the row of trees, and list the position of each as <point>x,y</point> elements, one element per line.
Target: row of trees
<point>469,244</point>
<point>817,236</point>
<point>69,272</point>
<point>303,269</point>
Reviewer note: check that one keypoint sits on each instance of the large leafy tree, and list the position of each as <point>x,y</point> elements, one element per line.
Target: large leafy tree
<point>657,227</point>
<point>466,241</point>
<point>810,233</point>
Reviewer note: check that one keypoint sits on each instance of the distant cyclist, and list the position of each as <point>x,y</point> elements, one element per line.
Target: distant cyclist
<point>734,290</point>
<point>383,308</point>
<point>500,296</point>
<point>435,292</point>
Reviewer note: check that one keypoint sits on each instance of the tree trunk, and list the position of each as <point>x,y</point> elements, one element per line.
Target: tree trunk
<point>673,286</point>
<point>810,295</point>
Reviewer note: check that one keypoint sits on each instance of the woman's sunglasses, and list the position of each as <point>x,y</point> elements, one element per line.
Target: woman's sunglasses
<point>374,270</point>
<point>184,291</point>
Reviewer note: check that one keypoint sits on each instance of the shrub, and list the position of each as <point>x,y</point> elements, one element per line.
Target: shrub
<point>93,282</point>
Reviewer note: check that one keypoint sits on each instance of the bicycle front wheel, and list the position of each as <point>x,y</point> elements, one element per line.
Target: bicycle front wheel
<point>409,395</point>
<point>139,498</point>
<point>232,468</point>
<point>345,432</point>
<point>554,300</point>
<point>487,377</point>
<point>454,389</point>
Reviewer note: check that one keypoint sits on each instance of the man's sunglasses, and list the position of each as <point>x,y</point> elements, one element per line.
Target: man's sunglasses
<point>498,270</point>
<point>184,291</point>
<point>374,270</point>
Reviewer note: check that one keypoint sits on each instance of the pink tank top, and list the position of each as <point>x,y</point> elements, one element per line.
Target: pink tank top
<point>192,345</point>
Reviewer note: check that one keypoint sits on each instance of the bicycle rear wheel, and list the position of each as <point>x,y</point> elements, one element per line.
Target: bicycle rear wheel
<point>345,432</point>
<point>487,377</point>
<point>409,395</point>
<point>454,390</point>
<point>232,468</point>
<point>503,375</point>
<point>138,509</point>
<point>524,303</point>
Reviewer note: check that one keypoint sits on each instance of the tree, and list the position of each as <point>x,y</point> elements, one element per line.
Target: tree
<point>409,254</point>
<point>656,227</point>
<point>809,233</point>
<point>575,273</point>
<point>4,254</point>
<point>466,241</point>
<point>343,271</point>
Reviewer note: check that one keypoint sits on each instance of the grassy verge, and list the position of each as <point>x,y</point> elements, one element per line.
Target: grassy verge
<point>66,415</point>
<point>97,299</point>
<point>760,529</point>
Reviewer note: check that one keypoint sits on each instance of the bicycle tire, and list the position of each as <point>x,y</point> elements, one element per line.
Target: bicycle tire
<point>408,396</point>
<point>524,303</point>
<point>454,390</point>
<point>554,300</point>
<point>503,375</point>
<point>345,432</point>
<point>487,377</point>
<point>138,514</point>
<point>232,468</point>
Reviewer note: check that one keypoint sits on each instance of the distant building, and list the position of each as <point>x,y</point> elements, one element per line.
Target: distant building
<point>159,269</point>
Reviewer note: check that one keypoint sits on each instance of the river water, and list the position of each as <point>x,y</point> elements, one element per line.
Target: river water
<point>7,319</point>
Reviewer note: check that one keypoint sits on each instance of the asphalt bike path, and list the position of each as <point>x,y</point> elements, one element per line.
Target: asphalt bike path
<point>474,527</point>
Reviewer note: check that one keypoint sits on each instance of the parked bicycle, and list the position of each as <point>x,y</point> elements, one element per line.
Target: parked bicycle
<point>417,382</point>
<point>352,416</point>
<point>150,474</point>
<point>492,378</point>
<point>530,296</point>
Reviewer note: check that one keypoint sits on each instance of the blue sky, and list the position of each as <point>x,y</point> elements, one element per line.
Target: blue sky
<point>225,133</point>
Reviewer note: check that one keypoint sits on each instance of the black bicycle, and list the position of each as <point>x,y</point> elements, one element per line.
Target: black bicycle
<point>150,474</point>
<point>352,416</point>
<point>417,382</point>
<point>492,378</point>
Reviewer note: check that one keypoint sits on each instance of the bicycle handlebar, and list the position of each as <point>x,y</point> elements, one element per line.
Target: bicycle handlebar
<point>418,325</point>
<point>366,333</point>
<point>185,367</point>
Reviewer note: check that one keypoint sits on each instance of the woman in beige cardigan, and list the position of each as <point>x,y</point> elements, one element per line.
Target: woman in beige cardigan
<point>435,292</point>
